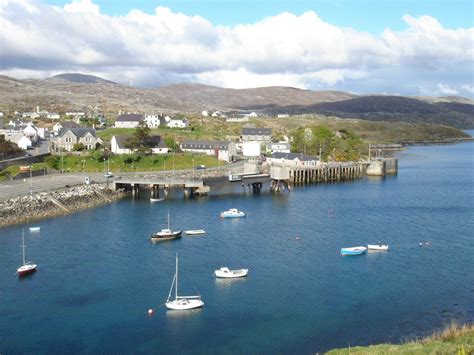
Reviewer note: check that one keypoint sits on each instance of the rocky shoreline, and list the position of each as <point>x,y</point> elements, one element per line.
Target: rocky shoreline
<point>52,204</point>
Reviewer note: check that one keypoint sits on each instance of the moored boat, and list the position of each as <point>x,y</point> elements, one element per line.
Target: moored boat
<point>195,232</point>
<point>166,234</point>
<point>35,229</point>
<point>181,303</point>
<point>382,247</point>
<point>27,267</point>
<point>157,199</point>
<point>232,213</point>
<point>353,251</point>
<point>224,272</point>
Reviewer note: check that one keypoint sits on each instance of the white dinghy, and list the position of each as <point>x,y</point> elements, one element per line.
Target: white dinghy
<point>224,272</point>
<point>381,247</point>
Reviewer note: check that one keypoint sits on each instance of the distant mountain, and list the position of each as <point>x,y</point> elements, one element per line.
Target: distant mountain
<point>391,109</point>
<point>79,78</point>
<point>67,92</point>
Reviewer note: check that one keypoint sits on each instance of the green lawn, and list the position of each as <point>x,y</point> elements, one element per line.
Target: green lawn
<point>14,170</point>
<point>454,340</point>
<point>126,163</point>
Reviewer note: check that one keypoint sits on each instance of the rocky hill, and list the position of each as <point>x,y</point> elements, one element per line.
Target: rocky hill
<point>67,92</point>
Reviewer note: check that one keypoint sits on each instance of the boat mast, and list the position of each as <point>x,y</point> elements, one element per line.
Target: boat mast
<point>23,246</point>
<point>169,228</point>
<point>176,292</point>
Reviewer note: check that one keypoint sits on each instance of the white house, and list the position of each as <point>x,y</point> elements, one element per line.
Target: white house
<point>76,114</point>
<point>119,144</point>
<point>128,120</point>
<point>152,121</point>
<point>222,150</point>
<point>278,147</point>
<point>252,114</point>
<point>178,123</point>
<point>1,114</point>
<point>205,113</point>
<point>283,115</point>
<point>256,134</point>
<point>293,160</point>
<point>31,132</point>
<point>53,115</point>
<point>19,139</point>
<point>30,115</point>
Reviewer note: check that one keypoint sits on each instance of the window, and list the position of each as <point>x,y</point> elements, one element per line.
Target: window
<point>88,139</point>
<point>68,140</point>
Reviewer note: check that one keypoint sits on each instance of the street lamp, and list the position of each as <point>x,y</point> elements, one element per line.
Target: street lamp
<point>31,180</point>
<point>192,167</point>
<point>83,178</point>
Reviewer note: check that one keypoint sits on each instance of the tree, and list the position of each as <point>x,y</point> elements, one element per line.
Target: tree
<point>140,138</point>
<point>78,147</point>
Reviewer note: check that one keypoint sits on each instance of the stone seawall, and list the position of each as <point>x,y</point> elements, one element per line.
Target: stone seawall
<point>57,203</point>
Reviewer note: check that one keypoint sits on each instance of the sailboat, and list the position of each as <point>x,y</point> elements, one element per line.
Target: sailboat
<point>27,267</point>
<point>166,234</point>
<point>181,302</point>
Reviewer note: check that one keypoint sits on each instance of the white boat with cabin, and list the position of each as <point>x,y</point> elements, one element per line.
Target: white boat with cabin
<point>27,267</point>
<point>382,247</point>
<point>232,213</point>
<point>181,303</point>
<point>166,234</point>
<point>224,272</point>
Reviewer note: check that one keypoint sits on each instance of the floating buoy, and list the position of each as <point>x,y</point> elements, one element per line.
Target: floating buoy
<point>150,311</point>
<point>297,238</point>
<point>421,244</point>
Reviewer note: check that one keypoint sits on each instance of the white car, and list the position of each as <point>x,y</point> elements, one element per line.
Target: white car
<point>108,175</point>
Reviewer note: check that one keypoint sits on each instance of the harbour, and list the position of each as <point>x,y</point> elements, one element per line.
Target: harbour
<point>292,239</point>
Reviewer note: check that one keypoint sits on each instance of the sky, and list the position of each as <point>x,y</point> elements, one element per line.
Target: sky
<point>407,47</point>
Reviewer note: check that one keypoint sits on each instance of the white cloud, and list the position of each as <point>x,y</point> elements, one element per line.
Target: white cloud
<point>469,89</point>
<point>286,49</point>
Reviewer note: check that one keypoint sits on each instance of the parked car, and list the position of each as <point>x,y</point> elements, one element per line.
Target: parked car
<point>108,175</point>
<point>200,167</point>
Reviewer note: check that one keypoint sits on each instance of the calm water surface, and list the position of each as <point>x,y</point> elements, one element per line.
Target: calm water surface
<point>98,274</point>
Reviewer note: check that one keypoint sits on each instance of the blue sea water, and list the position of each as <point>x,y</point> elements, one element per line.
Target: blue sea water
<point>98,273</point>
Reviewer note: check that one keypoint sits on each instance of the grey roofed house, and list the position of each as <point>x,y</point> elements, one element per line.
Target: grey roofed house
<point>292,156</point>
<point>155,141</point>
<point>247,131</point>
<point>78,132</point>
<point>205,145</point>
<point>129,117</point>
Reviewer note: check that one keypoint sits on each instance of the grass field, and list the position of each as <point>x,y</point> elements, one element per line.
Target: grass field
<point>130,163</point>
<point>456,340</point>
<point>14,170</point>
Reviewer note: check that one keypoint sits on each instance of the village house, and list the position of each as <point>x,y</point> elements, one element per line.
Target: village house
<point>178,123</point>
<point>293,160</point>
<point>53,115</point>
<point>120,144</point>
<point>66,139</point>
<point>31,115</point>
<point>153,121</point>
<point>237,119</point>
<point>278,147</point>
<point>31,132</point>
<point>262,135</point>
<point>128,120</point>
<point>222,150</point>
<point>19,139</point>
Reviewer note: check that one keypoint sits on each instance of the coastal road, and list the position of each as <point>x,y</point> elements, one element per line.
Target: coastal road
<point>45,183</point>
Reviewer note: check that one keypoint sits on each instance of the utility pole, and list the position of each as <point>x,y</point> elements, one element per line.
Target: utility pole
<point>83,177</point>
<point>192,167</point>
<point>62,162</point>
<point>369,152</point>
<point>31,180</point>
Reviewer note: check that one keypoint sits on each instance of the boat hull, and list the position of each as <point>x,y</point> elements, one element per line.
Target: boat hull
<point>353,251</point>
<point>35,229</point>
<point>233,274</point>
<point>195,232</point>
<point>233,215</point>
<point>377,247</point>
<point>156,237</point>
<point>26,270</point>
<point>156,199</point>
<point>184,304</point>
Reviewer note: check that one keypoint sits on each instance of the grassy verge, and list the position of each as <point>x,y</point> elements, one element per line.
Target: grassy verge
<point>14,170</point>
<point>452,340</point>
<point>130,163</point>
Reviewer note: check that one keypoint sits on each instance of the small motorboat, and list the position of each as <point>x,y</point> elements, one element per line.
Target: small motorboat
<point>353,251</point>
<point>165,234</point>
<point>195,232</point>
<point>224,272</point>
<point>232,213</point>
<point>35,229</point>
<point>383,247</point>
<point>157,199</point>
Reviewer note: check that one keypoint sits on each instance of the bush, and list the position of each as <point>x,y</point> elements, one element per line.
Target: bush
<point>78,147</point>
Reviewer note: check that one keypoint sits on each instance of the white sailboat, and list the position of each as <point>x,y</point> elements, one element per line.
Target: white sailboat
<point>181,302</point>
<point>166,234</point>
<point>27,267</point>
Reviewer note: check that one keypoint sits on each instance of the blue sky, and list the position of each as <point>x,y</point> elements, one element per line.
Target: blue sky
<point>408,47</point>
<point>364,15</point>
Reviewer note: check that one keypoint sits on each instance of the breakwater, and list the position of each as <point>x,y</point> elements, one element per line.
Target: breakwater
<point>44,205</point>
